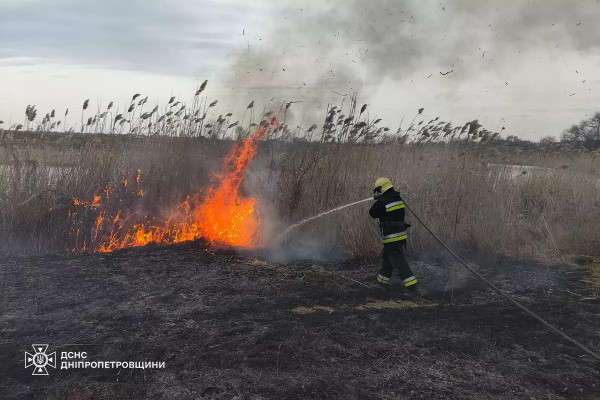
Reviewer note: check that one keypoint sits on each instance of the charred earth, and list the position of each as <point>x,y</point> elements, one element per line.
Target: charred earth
<point>229,326</point>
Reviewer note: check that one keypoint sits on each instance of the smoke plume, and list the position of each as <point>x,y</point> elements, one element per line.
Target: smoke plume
<point>327,49</point>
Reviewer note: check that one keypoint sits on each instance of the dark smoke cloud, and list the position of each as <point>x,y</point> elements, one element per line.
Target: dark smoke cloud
<point>344,46</point>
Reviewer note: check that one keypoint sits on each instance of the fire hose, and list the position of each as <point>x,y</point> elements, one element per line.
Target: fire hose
<point>495,288</point>
<point>464,264</point>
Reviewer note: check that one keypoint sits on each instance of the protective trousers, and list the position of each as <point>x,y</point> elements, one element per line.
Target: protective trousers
<point>392,257</point>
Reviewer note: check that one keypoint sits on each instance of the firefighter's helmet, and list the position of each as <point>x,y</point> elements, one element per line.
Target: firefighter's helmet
<point>381,186</point>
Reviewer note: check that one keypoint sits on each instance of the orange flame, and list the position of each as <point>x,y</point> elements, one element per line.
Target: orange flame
<point>223,216</point>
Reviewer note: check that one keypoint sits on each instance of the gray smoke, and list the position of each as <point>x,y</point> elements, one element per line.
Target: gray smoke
<point>322,50</point>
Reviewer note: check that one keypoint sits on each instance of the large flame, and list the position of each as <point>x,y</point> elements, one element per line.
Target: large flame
<point>220,215</point>
<point>225,216</point>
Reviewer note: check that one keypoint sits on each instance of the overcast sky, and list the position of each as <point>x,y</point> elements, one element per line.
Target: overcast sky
<point>533,64</point>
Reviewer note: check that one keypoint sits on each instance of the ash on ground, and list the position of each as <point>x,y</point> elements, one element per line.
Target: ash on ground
<point>227,327</point>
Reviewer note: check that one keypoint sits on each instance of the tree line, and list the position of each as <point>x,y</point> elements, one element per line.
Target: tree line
<point>586,132</point>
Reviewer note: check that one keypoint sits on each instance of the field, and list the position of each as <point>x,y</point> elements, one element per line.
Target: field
<point>228,329</point>
<point>305,319</point>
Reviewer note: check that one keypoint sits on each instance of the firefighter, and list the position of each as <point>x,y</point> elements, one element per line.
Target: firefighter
<point>389,208</point>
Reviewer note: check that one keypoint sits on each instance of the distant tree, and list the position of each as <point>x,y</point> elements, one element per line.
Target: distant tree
<point>547,140</point>
<point>593,126</point>
<point>587,130</point>
<point>513,139</point>
<point>574,133</point>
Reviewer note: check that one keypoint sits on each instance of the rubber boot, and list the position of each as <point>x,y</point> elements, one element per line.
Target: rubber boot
<point>383,282</point>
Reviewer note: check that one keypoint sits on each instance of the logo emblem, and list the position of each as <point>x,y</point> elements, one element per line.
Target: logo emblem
<point>40,360</point>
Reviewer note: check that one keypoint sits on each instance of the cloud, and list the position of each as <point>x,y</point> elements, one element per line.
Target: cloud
<point>179,38</point>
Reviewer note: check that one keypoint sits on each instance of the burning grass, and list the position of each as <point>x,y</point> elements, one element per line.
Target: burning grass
<point>219,213</point>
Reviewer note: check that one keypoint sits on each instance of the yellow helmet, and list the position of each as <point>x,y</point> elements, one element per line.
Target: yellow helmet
<point>382,185</point>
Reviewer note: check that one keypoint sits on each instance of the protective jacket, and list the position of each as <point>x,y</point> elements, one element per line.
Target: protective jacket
<point>389,208</point>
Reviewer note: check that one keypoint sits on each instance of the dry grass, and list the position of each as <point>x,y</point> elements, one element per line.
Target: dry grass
<point>39,182</point>
<point>474,206</point>
<point>460,188</point>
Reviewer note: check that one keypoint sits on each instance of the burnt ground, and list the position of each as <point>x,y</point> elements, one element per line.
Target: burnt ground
<point>228,329</point>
